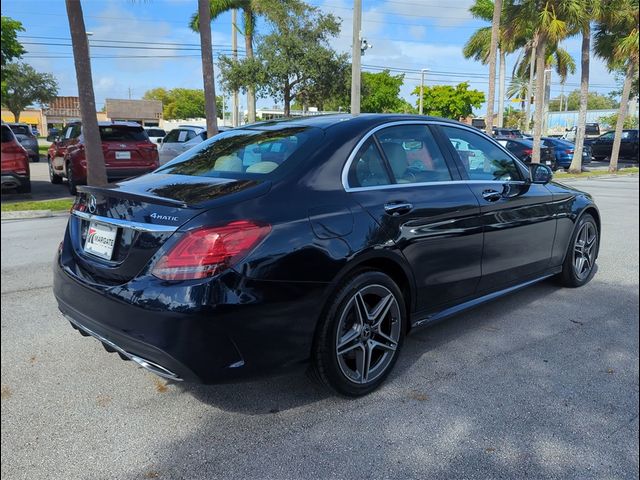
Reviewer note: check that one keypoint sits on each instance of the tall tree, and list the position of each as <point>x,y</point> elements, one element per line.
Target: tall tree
<point>96,170</point>
<point>12,49</point>
<point>495,33</point>
<point>590,12</point>
<point>616,41</point>
<point>551,21</point>
<point>181,103</point>
<point>206,51</point>
<point>450,102</point>
<point>292,60</point>
<point>272,9</point>
<point>23,86</point>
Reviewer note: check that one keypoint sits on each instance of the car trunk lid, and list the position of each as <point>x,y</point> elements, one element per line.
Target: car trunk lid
<point>116,230</point>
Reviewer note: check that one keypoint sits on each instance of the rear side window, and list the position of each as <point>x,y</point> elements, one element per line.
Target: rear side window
<point>7,136</point>
<point>121,133</point>
<point>482,159</point>
<point>244,153</point>
<point>179,136</point>
<point>592,129</point>
<point>367,168</point>
<point>413,155</point>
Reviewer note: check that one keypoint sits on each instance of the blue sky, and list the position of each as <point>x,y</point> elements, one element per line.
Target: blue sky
<point>405,34</point>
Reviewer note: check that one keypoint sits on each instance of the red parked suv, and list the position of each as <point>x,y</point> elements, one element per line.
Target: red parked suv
<point>15,163</point>
<point>128,152</point>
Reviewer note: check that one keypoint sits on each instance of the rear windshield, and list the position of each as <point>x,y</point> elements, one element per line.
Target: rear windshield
<point>21,130</point>
<point>156,132</point>
<point>592,129</point>
<point>244,153</point>
<point>122,133</point>
<point>6,134</point>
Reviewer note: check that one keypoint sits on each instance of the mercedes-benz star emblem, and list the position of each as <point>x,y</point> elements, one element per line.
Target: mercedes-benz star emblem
<point>92,204</point>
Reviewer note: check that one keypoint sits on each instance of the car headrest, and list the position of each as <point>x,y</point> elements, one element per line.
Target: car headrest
<point>397,158</point>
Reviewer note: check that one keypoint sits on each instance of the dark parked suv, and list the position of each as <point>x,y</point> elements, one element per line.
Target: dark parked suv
<point>602,146</point>
<point>128,152</point>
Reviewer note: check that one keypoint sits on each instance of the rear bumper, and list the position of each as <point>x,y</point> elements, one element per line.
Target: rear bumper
<point>223,329</point>
<point>13,180</point>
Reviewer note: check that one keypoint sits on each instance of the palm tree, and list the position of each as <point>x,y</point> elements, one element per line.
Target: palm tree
<point>206,51</point>
<point>616,41</point>
<point>478,47</point>
<point>591,12</point>
<point>96,170</point>
<point>250,10</point>
<point>551,21</point>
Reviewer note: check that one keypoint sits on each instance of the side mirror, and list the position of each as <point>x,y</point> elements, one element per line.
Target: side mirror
<point>540,173</point>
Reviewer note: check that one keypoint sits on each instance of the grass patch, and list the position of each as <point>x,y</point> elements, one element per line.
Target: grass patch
<point>596,173</point>
<point>61,204</point>
<point>43,149</point>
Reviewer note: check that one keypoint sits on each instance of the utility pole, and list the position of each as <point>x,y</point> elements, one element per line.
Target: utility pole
<point>234,49</point>
<point>129,93</point>
<point>356,53</point>
<point>422,72</point>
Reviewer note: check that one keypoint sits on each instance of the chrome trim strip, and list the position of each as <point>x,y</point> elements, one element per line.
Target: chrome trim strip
<point>138,226</point>
<point>144,363</point>
<point>347,166</point>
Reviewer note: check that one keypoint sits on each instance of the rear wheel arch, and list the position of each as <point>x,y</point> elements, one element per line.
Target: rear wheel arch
<point>390,264</point>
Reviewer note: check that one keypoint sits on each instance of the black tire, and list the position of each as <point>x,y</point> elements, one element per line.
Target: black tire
<point>53,178</point>
<point>25,186</point>
<point>340,372</point>
<point>572,274</point>
<point>71,183</point>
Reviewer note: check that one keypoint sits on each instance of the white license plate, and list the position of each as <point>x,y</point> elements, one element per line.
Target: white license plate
<point>548,162</point>
<point>123,155</point>
<point>100,240</point>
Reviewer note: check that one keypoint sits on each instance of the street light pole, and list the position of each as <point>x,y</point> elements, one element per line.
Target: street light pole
<point>356,52</point>
<point>422,72</point>
<point>234,49</point>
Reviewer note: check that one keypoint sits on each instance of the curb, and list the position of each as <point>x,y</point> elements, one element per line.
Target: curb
<point>591,177</point>
<point>29,214</point>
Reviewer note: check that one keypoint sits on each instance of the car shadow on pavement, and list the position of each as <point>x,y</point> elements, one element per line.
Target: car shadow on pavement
<point>287,391</point>
<point>532,386</point>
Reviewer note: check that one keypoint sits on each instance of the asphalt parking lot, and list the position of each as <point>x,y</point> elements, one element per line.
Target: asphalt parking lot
<point>540,384</point>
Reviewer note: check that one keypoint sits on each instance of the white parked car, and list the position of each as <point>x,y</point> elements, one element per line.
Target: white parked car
<point>178,141</point>
<point>156,134</point>
<point>181,139</point>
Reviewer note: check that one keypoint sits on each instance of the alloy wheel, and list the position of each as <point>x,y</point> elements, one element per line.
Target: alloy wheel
<point>584,250</point>
<point>368,334</point>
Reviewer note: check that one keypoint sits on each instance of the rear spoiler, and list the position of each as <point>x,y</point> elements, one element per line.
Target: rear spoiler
<point>113,191</point>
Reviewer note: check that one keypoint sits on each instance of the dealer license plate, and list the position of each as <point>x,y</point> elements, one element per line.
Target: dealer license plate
<point>100,240</point>
<point>123,155</point>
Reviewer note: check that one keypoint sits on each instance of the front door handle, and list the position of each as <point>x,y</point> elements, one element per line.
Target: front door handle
<point>491,195</point>
<point>397,208</point>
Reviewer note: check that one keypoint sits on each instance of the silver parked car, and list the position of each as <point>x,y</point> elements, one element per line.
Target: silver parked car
<point>178,141</point>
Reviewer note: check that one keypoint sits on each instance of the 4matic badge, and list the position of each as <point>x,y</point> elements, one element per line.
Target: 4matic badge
<point>170,218</point>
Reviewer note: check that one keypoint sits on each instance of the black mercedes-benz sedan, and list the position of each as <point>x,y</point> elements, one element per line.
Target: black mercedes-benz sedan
<point>319,241</point>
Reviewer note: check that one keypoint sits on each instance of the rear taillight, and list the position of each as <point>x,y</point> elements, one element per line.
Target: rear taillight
<point>206,251</point>
<point>569,152</point>
<point>527,151</point>
<point>13,148</point>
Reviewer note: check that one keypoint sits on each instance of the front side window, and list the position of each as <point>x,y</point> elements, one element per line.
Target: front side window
<point>413,155</point>
<point>244,153</point>
<point>481,158</point>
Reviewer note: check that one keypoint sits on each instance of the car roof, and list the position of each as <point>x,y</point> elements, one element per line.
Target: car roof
<point>109,124</point>
<point>330,120</point>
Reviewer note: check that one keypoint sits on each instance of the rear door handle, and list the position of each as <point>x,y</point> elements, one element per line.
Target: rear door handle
<point>491,195</point>
<point>397,208</point>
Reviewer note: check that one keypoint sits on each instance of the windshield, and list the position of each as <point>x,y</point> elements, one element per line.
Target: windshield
<point>121,133</point>
<point>592,129</point>
<point>244,153</point>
